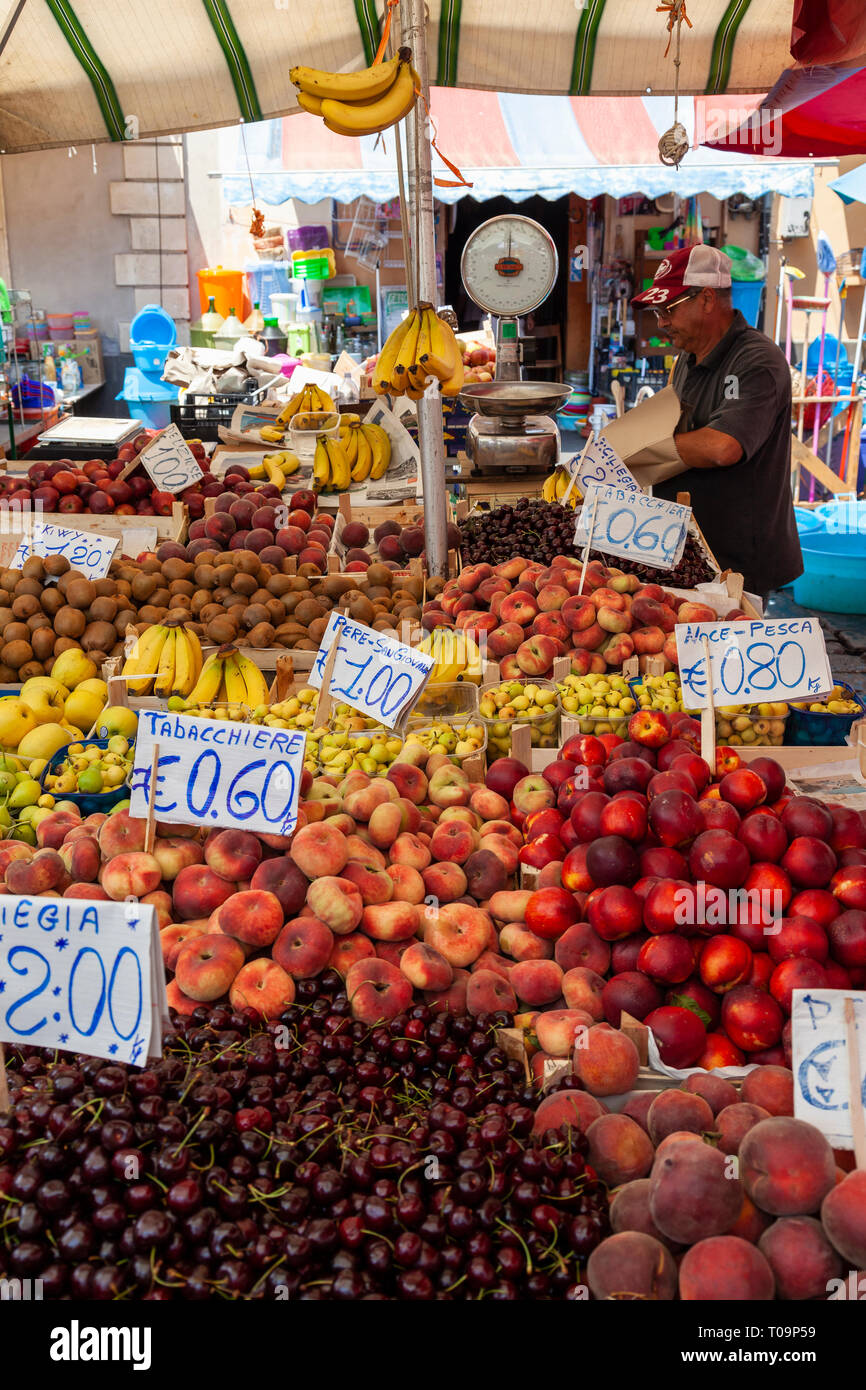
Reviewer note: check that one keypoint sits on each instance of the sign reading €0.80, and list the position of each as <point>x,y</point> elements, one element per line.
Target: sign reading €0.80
<point>752,662</point>
<point>373,673</point>
<point>632,525</point>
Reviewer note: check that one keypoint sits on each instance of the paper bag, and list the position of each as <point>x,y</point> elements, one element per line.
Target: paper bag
<point>644,438</point>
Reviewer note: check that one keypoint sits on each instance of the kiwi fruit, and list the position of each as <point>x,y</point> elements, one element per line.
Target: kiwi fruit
<point>63,644</point>
<point>7,674</point>
<point>204,576</point>
<point>305,645</point>
<point>209,611</point>
<point>435,585</point>
<point>307,611</point>
<point>200,600</point>
<point>143,585</point>
<point>9,579</point>
<point>24,606</point>
<point>278,585</point>
<point>220,595</point>
<point>276,611</point>
<point>376,593</point>
<point>299,584</point>
<point>28,586</point>
<point>102,609</point>
<point>33,568</point>
<point>379,574</point>
<point>42,642</point>
<point>180,610</point>
<point>123,589</point>
<point>360,608</point>
<point>316,630</point>
<point>55,565</point>
<point>69,622</point>
<point>254,614</point>
<point>105,588</point>
<point>31,669</point>
<point>308,571</point>
<point>150,613</point>
<point>151,565</point>
<point>51,601</point>
<point>176,569</point>
<point>160,597</point>
<point>80,593</point>
<point>244,584</point>
<point>98,637</point>
<point>181,586</point>
<point>247,561</point>
<point>123,618</point>
<point>16,654</point>
<point>223,576</point>
<point>262,635</point>
<point>38,620</point>
<point>222,629</point>
<point>383,624</point>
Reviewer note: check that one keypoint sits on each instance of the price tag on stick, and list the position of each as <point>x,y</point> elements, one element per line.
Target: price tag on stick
<point>600,463</point>
<point>85,550</point>
<point>170,461</point>
<point>371,672</point>
<point>634,526</point>
<point>752,662</point>
<point>217,773</point>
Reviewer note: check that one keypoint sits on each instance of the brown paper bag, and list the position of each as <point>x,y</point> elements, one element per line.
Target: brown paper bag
<point>644,438</point>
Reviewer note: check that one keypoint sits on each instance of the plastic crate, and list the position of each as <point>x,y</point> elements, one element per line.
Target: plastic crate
<point>809,726</point>
<point>543,729</point>
<point>87,802</point>
<point>199,417</point>
<point>771,737</point>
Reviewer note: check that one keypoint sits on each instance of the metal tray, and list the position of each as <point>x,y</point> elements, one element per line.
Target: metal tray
<point>514,399</point>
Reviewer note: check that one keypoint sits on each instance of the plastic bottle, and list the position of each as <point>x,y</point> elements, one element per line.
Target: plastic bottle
<point>347,391</point>
<point>211,321</point>
<point>70,376</point>
<point>272,337</point>
<point>254,322</point>
<point>49,369</point>
<point>232,326</point>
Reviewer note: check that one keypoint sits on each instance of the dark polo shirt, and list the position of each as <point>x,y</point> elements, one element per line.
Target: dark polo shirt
<point>746,511</point>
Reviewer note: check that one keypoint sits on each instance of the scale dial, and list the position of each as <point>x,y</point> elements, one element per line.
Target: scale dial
<point>509,265</point>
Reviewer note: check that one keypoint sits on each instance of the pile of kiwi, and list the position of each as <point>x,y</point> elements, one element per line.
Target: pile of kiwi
<point>46,607</point>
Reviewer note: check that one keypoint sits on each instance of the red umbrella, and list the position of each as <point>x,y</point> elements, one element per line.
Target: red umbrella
<point>828,31</point>
<point>811,113</point>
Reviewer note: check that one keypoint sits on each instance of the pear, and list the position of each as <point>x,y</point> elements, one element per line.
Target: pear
<point>72,667</point>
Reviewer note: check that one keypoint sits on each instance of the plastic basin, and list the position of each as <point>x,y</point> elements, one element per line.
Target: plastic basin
<point>834,580</point>
<point>807,522</point>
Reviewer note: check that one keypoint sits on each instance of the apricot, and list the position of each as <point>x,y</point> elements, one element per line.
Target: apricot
<point>770,1087</point>
<point>693,1194</point>
<point>678,1110</point>
<point>607,1061</point>
<point>734,1122</point>
<point>843,1214</point>
<point>619,1150</point>
<point>567,1110</point>
<point>632,1264</point>
<point>630,1210</point>
<point>800,1256</point>
<point>725,1269</point>
<point>787,1166</point>
<point>715,1090</point>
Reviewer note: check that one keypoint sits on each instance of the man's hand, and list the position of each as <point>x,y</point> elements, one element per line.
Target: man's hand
<point>708,448</point>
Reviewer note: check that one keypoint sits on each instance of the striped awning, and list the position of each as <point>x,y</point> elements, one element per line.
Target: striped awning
<point>506,145</point>
<point>75,71</point>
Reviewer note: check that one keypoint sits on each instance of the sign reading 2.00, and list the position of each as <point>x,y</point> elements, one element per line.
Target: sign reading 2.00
<point>632,525</point>
<point>752,662</point>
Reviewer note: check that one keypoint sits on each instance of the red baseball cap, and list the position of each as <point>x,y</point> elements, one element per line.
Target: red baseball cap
<point>692,267</point>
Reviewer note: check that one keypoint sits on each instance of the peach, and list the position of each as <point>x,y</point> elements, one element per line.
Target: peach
<point>161,902</point>
<point>407,849</point>
<point>487,804</point>
<point>453,842</point>
<point>347,949</point>
<point>556,1030</point>
<point>177,1000</point>
<point>408,884</point>
<point>449,786</point>
<point>198,891</point>
<point>336,902</point>
<point>206,965</point>
<point>391,921</point>
<point>619,1150</point>
<point>119,834</point>
<point>377,991</point>
<point>637,1107</point>
<point>488,993</point>
<point>509,906</point>
<point>696,613</point>
<point>505,851</point>
<point>630,1209</point>
<point>787,1166</point>
<point>692,1195</point>
<point>319,850</point>
<point>770,1087</point>
<point>518,607</point>
<point>717,1092</point>
<point>678,1110</point>
<point>385,824</point>
<point>35,877</point>
<point>725,1268</point>
<point>361,804</point>
<point>648,641</point>
<point>410,816</point>
<point>843,1215</point>
<point>582,989</point>
<point>606,1061</point>
<point>81,859</point>
<point>751,1223</point>
<point>254,917</point>
<point>580,946</point>
<point>172,938</point>
<point>456,931</point>
<point>364,852</point>
<point>461,813</point>
<point>372,883</point>
<point>233,854</point>
<point>410,781</point>
<point>303,947</point>
<point>53,829</point>
<point>537,982</point>
<point>504,829</point>
<point>174,853</point>
<point>801,1257</point>
<point>391,951</point>
<point>533,793</point>
<point>86,890</point>
<point>451,1000</point>
<point>491,960</point>
<point>130,875</point>
<point>567,1110</point>
<point>264,986</point>
<point>282,877</point>
<point>632,1265</point>
<point>425,968</point>
<point>485,873</point>
<point>733,1123</point>
<point>445,882</point>
<point>520,944</point>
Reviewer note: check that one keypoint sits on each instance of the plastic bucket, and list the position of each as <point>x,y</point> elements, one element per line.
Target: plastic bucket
<point>746,296</point>
<point>835,573</point>
<point>147,398</point>
<point>227,289</point>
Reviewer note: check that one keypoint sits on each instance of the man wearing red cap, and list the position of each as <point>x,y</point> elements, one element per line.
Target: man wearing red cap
<point>734,433</point>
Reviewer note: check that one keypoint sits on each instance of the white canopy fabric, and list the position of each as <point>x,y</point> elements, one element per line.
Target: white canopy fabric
<point>76,71</point>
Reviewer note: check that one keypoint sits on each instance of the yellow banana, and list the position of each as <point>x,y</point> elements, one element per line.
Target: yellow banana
<point>444,356</point>
<point>350,86</point>
<point>291,463</point>
<point>291,408</point>
<point>236,689</point>
<point>380,444</point>
<point>412,391</point>
<point>418,372</point>
<point>454,384</point>
<point>145,658</point>
<point>405,355</point>
<point>184,664</point>
<point>254,681</point>
<point>321,465</point>
<point>348,417</point>
<point>209,681</point>
<point>395,103</point>
<point>320,400</point>
<point>164,683</point>
<point>195,648</point>
<point>257,471</point>
<point>387,359</point>
<point>272,434</point>
<point>364,456</point>
<point>349,442</point>
<point>307,102</point>
<point>275,473</point>
<point>340,472</point>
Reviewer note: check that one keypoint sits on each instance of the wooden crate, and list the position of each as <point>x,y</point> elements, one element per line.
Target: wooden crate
<point>371,518</point>
<point>166,528</point>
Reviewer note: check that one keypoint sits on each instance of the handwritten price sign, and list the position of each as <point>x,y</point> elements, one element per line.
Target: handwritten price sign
<point>374,674</point>
<point>600,464</point>
<point>85,550</point>
<point>752,661</point>
<point>632,525</point>
<point>170,461</point>
<point>821,1063</point>
<point>216,773</point>
<point>84,976</point>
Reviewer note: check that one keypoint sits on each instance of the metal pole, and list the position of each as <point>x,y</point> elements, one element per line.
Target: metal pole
<point>431,444</point>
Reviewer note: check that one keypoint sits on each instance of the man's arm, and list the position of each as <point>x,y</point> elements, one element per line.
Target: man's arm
<point>708,448</point>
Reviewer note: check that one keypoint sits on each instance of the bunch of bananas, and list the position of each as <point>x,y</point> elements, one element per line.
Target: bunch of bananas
<point>360,103</point>
<point>456,655</point>
<point>420,348</point>
<point>165,660</point>
<point>361,451</point>
<point>556,486</point>
<point>229,677</point>
<point>309,400</point>
<point>276,467</point>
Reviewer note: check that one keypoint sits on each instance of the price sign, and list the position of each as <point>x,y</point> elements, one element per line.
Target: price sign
<point>824,1079</point>
<point>752,662</point>
<point>170,461</point>
<point>84,976</point>
<point>632,525</point>
<point>217,773</point>
<point>600,464</point>
<point>374,674</point>
<point>85,550</point>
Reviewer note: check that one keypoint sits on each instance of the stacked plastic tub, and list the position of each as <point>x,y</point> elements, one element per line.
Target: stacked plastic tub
<point>152,335</point>
<point>833,541</point>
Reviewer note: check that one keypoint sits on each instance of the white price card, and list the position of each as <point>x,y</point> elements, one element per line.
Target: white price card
<point>752,662</point>
<point>820,1061</point>
<point>600,464</point>
<point>170,461</point>
<point>85,550</point>
<point>633,526</point>
<point>84,976</point>
<point>373,673</point>
<point>218,773</point>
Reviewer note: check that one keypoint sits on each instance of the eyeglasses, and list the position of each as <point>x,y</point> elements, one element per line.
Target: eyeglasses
<point>683,299</point>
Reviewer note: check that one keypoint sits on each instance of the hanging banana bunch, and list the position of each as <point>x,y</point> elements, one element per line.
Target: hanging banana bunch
<point>360,103</point>
<point>421,348</point>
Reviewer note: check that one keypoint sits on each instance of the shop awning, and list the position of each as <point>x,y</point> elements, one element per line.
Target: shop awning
<point>816,112</point>
<point>75,71</point>
<point>506,144</point>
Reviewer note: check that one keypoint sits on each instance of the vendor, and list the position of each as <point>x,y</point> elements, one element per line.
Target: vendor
<point>734,432</point>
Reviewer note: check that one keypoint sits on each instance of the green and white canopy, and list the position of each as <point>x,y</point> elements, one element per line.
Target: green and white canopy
<point>75,71</point>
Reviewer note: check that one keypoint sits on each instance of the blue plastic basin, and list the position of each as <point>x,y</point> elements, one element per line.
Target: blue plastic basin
<point>834,580</point>
<point>808,521</point>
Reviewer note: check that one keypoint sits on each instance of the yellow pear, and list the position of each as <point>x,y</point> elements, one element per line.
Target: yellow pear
<point>43,741</point>
<point>83,707</point>
<point>72,667</point>
<point>16,721</point>
<point>45,696</point>
<point>117,719</point>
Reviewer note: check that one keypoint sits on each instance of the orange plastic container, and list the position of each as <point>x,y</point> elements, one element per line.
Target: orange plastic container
<point>227,289</point>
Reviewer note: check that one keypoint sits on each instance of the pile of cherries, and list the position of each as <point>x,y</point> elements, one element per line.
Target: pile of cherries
<point>309,1158</point>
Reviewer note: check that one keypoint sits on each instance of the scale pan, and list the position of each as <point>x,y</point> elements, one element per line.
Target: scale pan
<point>511,400</point>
